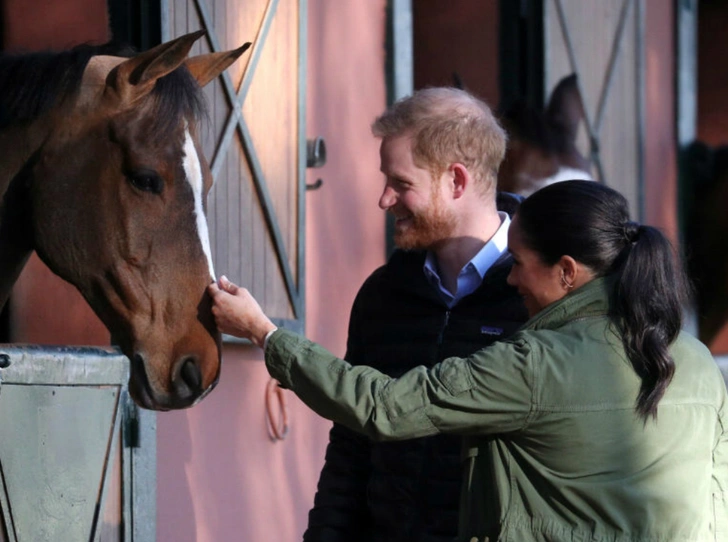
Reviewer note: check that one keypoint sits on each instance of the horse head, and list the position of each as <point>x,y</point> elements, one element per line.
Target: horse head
<point>114,192</point>
<point>542,146</point>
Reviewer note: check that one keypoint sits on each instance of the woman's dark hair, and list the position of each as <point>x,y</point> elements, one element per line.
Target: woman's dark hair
<point>590,222</point>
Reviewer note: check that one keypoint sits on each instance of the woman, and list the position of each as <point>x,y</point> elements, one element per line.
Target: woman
<point>599,420</point>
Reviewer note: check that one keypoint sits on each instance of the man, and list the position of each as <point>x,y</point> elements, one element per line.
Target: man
<point>444,293</point>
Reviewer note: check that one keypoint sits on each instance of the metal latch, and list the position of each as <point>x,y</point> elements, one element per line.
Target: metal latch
<point>315,158</point>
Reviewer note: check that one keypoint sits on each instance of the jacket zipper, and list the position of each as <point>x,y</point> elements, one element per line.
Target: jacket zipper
<point>441,336</point>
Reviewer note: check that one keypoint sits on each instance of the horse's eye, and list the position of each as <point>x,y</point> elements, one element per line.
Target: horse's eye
<point>146,181</point>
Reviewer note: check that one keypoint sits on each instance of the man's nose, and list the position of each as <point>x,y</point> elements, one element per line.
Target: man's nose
<point>387,199</point>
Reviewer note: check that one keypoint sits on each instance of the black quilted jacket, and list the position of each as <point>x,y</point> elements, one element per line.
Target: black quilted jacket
<point>406,491</point>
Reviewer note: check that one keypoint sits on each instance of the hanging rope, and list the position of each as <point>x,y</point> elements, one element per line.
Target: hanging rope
<point>276,410</point>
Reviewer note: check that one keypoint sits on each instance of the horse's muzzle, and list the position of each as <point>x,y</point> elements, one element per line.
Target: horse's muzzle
<point>186,385</point>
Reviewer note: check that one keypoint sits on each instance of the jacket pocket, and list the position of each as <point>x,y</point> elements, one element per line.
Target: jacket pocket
<point>720,517</point>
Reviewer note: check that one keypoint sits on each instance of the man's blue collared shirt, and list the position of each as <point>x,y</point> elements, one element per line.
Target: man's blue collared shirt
<point>471,275</point>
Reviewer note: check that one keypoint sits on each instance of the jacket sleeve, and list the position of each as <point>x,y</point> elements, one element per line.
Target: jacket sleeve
<point>488,392</point>
<point>719,521</point>
<point>340,511</point>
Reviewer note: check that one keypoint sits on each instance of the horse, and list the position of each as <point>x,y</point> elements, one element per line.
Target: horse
<point>542,144</point>
<point>706,224</point>
<point>103,177</point>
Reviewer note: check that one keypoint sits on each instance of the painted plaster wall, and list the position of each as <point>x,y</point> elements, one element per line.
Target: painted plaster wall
<point>660,149</point>
<point>43,24</point>
<point>460,37</point>
<point>220,478</point>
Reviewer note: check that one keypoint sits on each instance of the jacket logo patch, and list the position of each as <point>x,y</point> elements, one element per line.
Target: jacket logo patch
<point>489,330</point>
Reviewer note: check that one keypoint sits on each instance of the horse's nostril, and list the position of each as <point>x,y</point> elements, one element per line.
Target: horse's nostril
<point>138,367</point>
<point>139,385</point>
<point>191,375</point>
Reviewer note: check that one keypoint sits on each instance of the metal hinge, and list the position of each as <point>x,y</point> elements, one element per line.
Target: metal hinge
<point>4,364</point>
<point>130,423</point>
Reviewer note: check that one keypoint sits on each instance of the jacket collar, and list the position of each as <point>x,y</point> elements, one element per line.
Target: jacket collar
<point>592,299</point>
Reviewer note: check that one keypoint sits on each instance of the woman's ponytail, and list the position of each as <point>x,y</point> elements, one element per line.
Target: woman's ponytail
<point>647,307</point>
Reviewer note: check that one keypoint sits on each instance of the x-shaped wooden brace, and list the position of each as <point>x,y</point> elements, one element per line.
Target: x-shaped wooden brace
<point>235,122</point>
<point>595,127</point>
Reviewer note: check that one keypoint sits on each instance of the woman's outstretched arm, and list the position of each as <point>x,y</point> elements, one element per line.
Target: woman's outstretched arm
<point>489,392</point>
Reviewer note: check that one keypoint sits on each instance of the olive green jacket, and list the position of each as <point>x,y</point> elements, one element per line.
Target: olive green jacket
<point>554,450</point>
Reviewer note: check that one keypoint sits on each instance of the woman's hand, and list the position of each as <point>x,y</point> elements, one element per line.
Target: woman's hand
<point>237,312</point>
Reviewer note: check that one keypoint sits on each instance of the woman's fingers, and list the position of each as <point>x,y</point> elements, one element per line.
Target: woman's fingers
<point>228,286</point>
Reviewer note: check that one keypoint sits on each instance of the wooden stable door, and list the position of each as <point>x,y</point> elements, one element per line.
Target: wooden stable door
<point>603,43</point>
<point>255,144</point>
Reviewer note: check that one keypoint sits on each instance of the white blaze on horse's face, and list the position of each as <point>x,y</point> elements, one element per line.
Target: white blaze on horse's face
<point>563,174</point>
<point>193,171</point>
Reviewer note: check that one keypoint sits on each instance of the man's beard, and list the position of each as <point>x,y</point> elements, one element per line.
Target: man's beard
<point>427,228</point>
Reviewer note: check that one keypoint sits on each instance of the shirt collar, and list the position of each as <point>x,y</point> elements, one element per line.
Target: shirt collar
<point>494,248</point>
<point>491,252</point>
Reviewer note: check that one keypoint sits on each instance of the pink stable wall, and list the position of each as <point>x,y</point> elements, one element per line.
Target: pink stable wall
<point>220,478</point>
<point>459,37</point>
<point>660,149</point>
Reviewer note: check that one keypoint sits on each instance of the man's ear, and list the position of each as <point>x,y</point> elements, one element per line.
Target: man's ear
<point>461,179</point>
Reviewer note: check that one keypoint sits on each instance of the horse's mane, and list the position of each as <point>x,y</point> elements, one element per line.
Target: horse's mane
<point>32,84</point>
<point>533,126</point>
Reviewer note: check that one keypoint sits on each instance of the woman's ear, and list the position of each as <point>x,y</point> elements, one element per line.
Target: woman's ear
<point>573,273</point>
<point>569,272</point>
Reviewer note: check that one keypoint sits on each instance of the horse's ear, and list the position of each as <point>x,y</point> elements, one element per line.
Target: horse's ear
<point>135,78</point>
<point>566,107</point>
<point>207,67</point>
